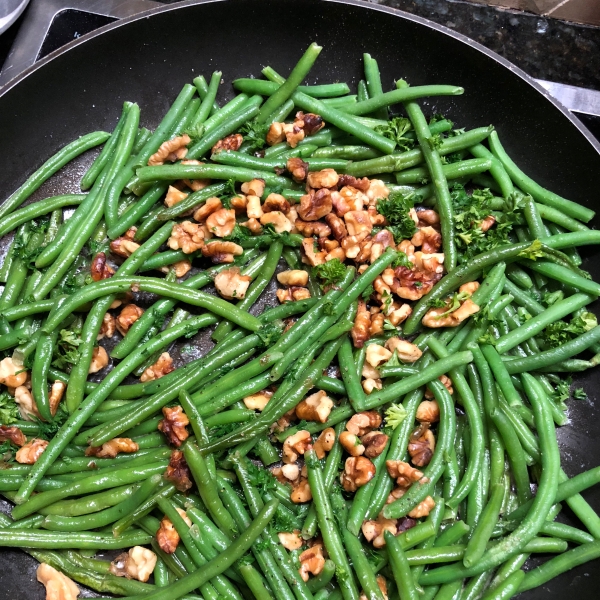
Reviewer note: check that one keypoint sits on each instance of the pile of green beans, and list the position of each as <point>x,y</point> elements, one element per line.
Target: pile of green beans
<point>208,496</point>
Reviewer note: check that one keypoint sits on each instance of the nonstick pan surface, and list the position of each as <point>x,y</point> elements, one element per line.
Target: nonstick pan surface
<point>147,59</point>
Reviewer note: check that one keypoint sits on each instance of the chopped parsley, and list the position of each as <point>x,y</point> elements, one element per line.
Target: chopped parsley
<point>560,332</point>
<point>255,133</point>
<point>395,415</point>
<point>330,272</point>
<point>9,410</point>
<point>396,129</point>
<point>395,208</point>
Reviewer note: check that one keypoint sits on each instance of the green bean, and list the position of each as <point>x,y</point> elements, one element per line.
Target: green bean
<point>39,374</point>
<point>455,170</point>
<point>350,375</point>
<point>497,170</point>
<point>519,277</point>
<point>51,166</point>
<point>536,191</point>
<point>400,568</point>
<point>208,100</point>
<point>202,87</point>
<point>15,538</point>
<point>15,283</point>
<point>95,502</point>
<point>565,532</point>
<point>452,535</point>
<point>362,568</point>
<point>507,589</point>
<point>559,218</point>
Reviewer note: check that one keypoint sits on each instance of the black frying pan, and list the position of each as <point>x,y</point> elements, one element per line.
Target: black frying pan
<point>147,59</point>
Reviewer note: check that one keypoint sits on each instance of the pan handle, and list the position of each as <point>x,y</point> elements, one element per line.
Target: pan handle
<point>574,98</point>
<point>40,14</point>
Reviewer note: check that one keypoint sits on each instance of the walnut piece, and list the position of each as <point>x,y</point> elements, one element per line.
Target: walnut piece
<point>428,238</point>
<point>363,422</point>
<point>128,316</point>
<point>362,323</point>
<point>362,184</point>
<point>276,202</point>
<point>186,236</point>
<point>113,447</point>
<point>12,374</point>
<point>221,222</point>
<point>291,541</point>
<point>123,246</point>
<point>222,252</point>
<point>338,226</point>
<point>374,530</point>
<point>278,220</point>
<point>163,366</point>
<point>315,408</point>
<point>377,354</point>
<point>324,442</point>
<point>348,199</point>
<point>180,268</point>
<point>167,536</point>
<point>358,471</point>
<point>258,401</point>
<point>371,384</point>
<point>99,359</point>
<point>99,269</point>
<point>374,443</point>
<point>178,472</point>
<point>231,284</point>
<point>293,277</point>
<point>315,205</point>
<point>12,434</point>
<point>292,294</point>
<point>351,444</point>
<point>313,255</point>
<point>311,561</point>
<point>27,406</point>
<point>58,586</point>
<point>170,150</point>
<point>428,411</point>
<point>310,228</point>
<point>435,316</point>
<point>31,451</point>
<point>297,168</point>
<point>211,206</point>
<point>295,445</point>
<point>254,187</point>
<point>406,351</point>
<point>326,178</point>
<point>404,474</point>
<point>138,564</point>
<point>421,445</point>
<point>174,196</point>
<point>301,492</point>
<point>423,508</point>
<point>108,327</point>
<point>231,142</point>
<point>309,122</point>
<point>358,222</point>
<point>173,425</point>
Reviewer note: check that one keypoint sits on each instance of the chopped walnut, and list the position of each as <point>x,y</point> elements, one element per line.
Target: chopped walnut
<point>174,196</point>
<point>258,401</point>
<point>231,142</point>
<point>180,268</point>
<point>363,422</point>
<point>351,444</point>
<point>138,564</point>
<point>315,408</point>
<point>12,434</point>
<point>382,240</point>
<point>397,314</point>
<point>291,541</point>
<point>293,277</point>
<point>374,443</point>
<point>428,411</point>
<point>487,223</point>
<point>253,207</point>
<point>326,178</point>
<point>377,189</point>
<point>211,206</point>
<point>294,133</point>
<point>222,252</point>
<point>447,383</point>
<point>186,236</point>
<point>276,202</point>
<point>338,226</point>
<point>163,366</point>
<point>371,384</point>
<point>377,323</point>
<point>421,445</point>
<point>287,473</point>
<point>170,150</point>
<point>231,284</point>
<point>173,425</point>
<point>99,268</point>
<point>221,222</point>
<point>301,492</point>
<point>358,471</point>
<point>27,406</point>
<point>295,445</point>
<point>405,351</point>
<point>178,472</point>
<point>311,123</point>
<point>428,238</point>
<point>427,217</point>
<point>99,359</point>
<point>113,447</point>
<point>362,184</point>
<point>254,187</point>
<point>348,199</point>
<point>292,294</point>
<point>123,246</point>
<point>11,374</point>
<point>382,585</point>
<point>278,220</point>
<point>374,530</point>
<point>315,205</point>
<point>238,203</point>
<point>297,168</point>
<point>311,561</point>
<point>423,508</point>
<point>377,354</point>
<point>275,134</point>
<point>167,536</point>
<point>358,222</point>
<point>404,474</point>
<point>31,451</point>
<point>310,228</point>
<point>108,327</point>
<point>362,323</point>
<point>324,442</point>
<point>411,284</point>
<point>58,586</point>
<point>435,317</point>
<point>56,393</point>
<point>128,316</point>
<point>312,254</point>
<point>253,225</point>
<point>284,422</point>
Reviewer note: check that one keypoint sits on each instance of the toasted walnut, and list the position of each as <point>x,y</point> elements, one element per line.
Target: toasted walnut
<point>211,206</point>
<point>301,492</point>
<point>13,434</point>
<point>221,222</point>
<point>376,219</point>
<point>447,383</point>
<point>258,401</point>
<point>12,374</point>
<point>377,323</point>
<point>295,445</point>
<point>310,228</point>
<point>374,530</point>
<point>170,150</point>
<point>291,541</point>
<point>58,586</point>
<point>429,263</point>
<point>358,471</point>
<point>358,222</point>
<point>311,123</point>
<point>113,447</point>
<point>174,196</point>
<point>312,254</point>
<point>374,443</point>
<point>31,451</point>
<point>276,133</point>
<point>428,411</point>
<point>358,184</point>
<point>180,268</point>
<point>427,217</point>
<point>421,445</point>
<point>254,187</point>
<point>324,442</point>
<point>351,444</point>
<point>377,354</point>
<point>487,223</point>
<point>278,220</point>
<point>222,252</point>
<point>363,422</point>
<point>173,425</point>
<point>276,202</point>
<point>311,561</point>
<point>338,228</point>
<point>284,422</point>
<point>287,473</point>
<point>238,203</point>
<point>297,168</point>
<point>163,366</point>
<point>178,471</point>
<point>404,474</point>
<point>27,406</point>
<point>411,284</point>
<point>231,284</point>
<point>186,236</point>
<point>253,207</point>
<point>253,225</point>
<point>293,277</point>
<point>231,142</point>
<point>377,189</point>
<point>348,199</point>
<point>371,384</point>
<point>128,316</point>
<point>315,408</point>
<point>99,269</point>
<point>99,359</point>
<point>56,393</point>
<point>326,178</point>
<point>123,246</point>
<point>315,205</point>
<point>428,238</point>
<point>108,327</point>
<point>138,564</point>
<point>397,314</point>
<point>436,317</point>
<point>423,508</point>
<point>292,294</point>
<point>167,536</point>
<point>381,240</point>
<point>406,351</point>
<point>294,133</point>
<point>362,322</point>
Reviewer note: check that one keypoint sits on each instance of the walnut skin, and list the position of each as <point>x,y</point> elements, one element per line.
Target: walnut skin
<point>170,150</point>
<point>358,471</point>
<point>174,425</point>
<point>113,447</point>
<point>421,445</point>
<point>12,434</point>
<point>315,205</point>
<point>362,323</point>
<point>163,366</point>
<point>231,142</point>
<point>297,168</point>
<point>222,252</point>
<point>128,316</point>
<point>31,451</point>
<point>178,472</point>
<point>99,269</point>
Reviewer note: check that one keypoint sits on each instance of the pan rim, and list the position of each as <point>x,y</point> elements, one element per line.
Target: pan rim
<point>514,69</point>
